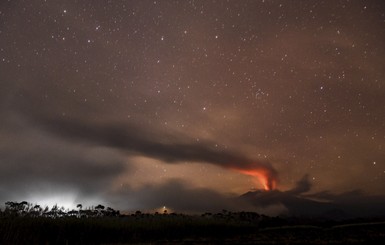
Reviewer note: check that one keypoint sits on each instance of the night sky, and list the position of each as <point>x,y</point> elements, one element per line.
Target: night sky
<point>142,104</point>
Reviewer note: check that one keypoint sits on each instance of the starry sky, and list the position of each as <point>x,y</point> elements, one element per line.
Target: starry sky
<point>141,104</point>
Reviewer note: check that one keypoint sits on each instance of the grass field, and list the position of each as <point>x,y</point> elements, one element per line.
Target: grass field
<point>180,229</point>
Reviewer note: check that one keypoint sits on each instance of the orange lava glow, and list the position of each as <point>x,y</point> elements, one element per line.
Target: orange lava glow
<point>267,183</point>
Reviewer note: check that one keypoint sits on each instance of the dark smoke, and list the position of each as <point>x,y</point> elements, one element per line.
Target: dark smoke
<point>171,149</point>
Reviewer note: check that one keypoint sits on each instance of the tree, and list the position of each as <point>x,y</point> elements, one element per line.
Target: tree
<point>100,210</point>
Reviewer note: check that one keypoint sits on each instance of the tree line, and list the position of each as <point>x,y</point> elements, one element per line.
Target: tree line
<point>26,209</point>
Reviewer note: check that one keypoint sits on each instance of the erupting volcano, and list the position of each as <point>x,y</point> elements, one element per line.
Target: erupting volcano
<point>266,178</point>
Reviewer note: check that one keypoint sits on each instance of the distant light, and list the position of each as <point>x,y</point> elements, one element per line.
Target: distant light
<point>66,200</point>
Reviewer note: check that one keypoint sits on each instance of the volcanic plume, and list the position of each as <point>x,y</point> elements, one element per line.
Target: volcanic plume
<point>267,177</point>
<point>136,141</point>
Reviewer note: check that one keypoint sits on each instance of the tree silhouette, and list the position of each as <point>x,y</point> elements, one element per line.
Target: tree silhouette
<point>99,210</point>
<point>27,209</point>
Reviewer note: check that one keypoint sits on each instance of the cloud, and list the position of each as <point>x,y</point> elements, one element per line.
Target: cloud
<point>302,186</point>
<point>146,142</point>
<point>33,161</point>
<point>82,160</point>
<point>177,196</point>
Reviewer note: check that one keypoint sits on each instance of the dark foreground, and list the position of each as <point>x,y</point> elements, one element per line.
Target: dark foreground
<point>222,228</point>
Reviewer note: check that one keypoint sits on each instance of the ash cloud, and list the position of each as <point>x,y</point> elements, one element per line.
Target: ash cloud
<point>177,196</point>
<point>168,148</point>
<point>302,186</point>
<point>51,155</point>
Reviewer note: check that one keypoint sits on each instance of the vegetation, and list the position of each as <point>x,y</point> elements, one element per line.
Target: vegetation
<point>24,223</point>
<point>25,209</point>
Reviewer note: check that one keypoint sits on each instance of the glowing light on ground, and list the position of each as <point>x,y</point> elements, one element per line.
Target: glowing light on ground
<point>67,200</point>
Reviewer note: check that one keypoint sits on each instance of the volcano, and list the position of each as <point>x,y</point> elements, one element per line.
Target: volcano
<point>337,207</point>
<point>295,205</point>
